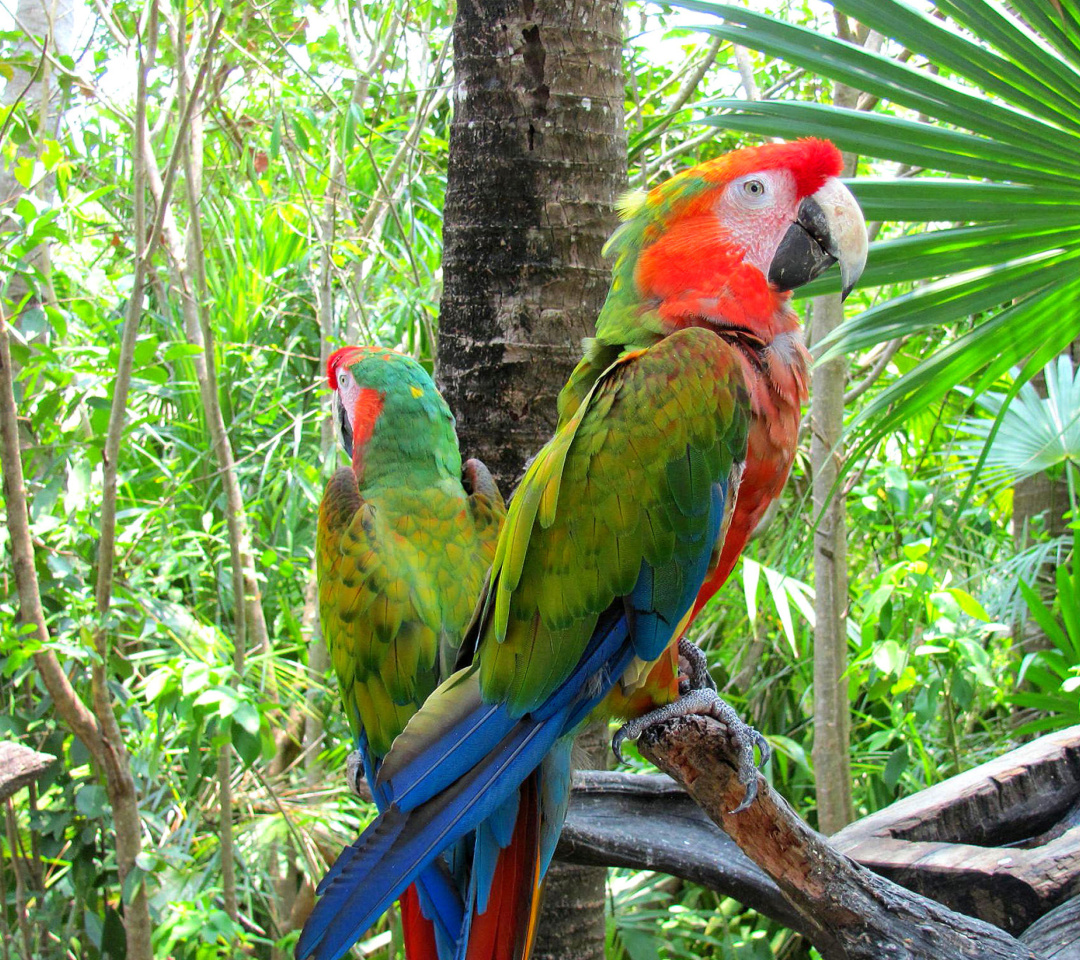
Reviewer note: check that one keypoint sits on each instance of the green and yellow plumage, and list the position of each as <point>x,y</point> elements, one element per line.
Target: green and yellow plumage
<point>641,486</point>
<point>402,547</point>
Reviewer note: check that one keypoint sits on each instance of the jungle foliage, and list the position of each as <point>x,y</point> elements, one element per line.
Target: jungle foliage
<point>323,168</point>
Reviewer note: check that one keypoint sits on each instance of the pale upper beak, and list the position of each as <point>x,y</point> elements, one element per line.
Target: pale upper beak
<point>829,229</point>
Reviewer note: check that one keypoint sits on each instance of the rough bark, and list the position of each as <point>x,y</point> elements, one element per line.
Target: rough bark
<point>1057,935</point>
<point>647,822</point>
<point>852,914</point>
<point>537,161</point>
<point>998,842</point>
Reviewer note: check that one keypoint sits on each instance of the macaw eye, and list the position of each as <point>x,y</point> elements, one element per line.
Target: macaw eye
<point>343,379</point>
<point>754,188</point>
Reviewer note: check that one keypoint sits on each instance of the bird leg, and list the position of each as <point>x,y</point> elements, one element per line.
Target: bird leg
<point>693,668</point>
<point>354,774</point>
<point>698,696</point>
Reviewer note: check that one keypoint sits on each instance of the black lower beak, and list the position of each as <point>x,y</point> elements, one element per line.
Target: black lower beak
<point>803,253</point>
<point>346,430</point>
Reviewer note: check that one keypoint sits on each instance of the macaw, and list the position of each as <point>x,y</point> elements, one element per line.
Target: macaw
<point>402,550</point>
<point>617,522</point>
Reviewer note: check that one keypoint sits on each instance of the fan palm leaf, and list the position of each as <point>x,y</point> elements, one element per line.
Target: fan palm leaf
<point>994,146</point>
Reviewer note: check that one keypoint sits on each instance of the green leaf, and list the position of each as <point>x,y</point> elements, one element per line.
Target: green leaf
<point>940,302</point>
<point>1041,614</point>
<point>248,717</point>
<point>92,801</point>
<point>884,77</point>
<point>275,136</point>
<point>1002,342</point>
<point>135,878</point>
<point>969,605</point>
<point>941,198</point>
<point>895,766</point>
<point>948,48</point>
<point>889,138</point>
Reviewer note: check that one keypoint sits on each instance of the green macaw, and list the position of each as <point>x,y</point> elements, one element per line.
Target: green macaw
<point>402,550</point>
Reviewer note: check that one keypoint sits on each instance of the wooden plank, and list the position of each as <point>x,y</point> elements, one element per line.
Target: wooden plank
<point>20,766</point>
<point>996,803</point>
<point>947,842</point>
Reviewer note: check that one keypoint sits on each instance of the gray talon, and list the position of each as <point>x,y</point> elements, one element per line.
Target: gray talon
<point>705,701</point>
<point>697,674</point>
<point>617,742</point>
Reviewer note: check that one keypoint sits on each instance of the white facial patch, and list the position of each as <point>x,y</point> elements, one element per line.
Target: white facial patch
<point>756,211</point>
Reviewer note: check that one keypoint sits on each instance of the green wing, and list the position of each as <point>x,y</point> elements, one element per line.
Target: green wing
<point>627,479</point>
<point>398,576</point>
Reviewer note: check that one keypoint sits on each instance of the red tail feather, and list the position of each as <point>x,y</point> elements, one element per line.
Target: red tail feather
<point>505,930</point>
<point>418,931</point>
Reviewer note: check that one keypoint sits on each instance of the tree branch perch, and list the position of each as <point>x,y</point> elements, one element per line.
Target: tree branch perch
<point>848,912</point>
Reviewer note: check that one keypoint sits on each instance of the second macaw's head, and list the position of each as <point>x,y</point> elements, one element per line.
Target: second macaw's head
<point>724,242</point>
<point>391,420</point>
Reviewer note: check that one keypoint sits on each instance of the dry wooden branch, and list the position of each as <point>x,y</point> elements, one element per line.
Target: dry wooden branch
<point>647,822</point>
<point>1055,935</point>
<point>20,766</point>
<point>849,912</point>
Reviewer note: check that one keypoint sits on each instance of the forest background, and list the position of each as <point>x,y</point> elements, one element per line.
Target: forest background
<point>197,204</point>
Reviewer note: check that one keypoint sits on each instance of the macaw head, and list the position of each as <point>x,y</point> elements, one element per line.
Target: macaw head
<point>728,239</point>
<point>387,409</point>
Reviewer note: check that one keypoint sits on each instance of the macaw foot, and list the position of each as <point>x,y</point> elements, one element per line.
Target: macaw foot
<point>693,668</point>
<point>705,701</point>
<point>354,774</point>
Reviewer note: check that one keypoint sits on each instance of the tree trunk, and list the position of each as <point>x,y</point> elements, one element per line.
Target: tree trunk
<point>832,767</point>
<point>537,161</point>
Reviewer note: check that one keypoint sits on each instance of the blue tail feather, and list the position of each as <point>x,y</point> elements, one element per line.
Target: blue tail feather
<point>397,846</point>
<point>441,790</point>
<point>554,798</point>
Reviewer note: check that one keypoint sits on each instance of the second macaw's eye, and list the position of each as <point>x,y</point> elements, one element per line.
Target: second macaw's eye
<point>343,378</point>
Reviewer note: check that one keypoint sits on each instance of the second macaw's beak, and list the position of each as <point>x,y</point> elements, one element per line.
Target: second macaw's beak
<point>829,229</point>
<point>344,427</point>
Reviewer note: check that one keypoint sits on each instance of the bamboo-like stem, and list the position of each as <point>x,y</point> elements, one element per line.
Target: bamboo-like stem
<point>18,865</point>
<point>187,266</point>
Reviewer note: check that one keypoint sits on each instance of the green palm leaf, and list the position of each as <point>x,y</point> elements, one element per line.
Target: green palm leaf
<point>995,143</point>
<point>1036,433</point>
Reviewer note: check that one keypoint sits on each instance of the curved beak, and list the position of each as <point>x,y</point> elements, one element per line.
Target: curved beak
<point>828,229</point>
<point>344,427</point>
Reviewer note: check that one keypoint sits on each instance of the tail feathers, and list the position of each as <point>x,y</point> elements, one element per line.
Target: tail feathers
<point>554,798</point>
<point>493,836</point>
<point>417,930</point>
<point>503,919</point>
<point>450,734</point>
<point>398,846</point>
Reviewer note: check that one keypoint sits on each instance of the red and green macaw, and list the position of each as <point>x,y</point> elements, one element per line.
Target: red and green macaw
<point>618,522</point>
<point>403,548</point>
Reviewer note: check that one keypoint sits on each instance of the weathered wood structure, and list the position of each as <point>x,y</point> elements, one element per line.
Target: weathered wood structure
<point>19,767</point>
<point>999,843</point>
